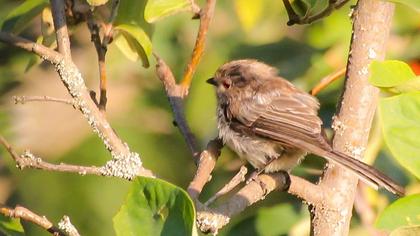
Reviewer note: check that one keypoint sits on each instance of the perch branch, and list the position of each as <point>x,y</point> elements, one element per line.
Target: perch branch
<point>27,215</point>
<point>211,220</point>
<point>237,179</point>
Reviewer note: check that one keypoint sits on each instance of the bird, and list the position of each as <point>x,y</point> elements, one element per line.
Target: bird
<point>273,125</point>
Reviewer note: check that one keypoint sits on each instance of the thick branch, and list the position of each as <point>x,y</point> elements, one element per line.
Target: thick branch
<point>371,26</point>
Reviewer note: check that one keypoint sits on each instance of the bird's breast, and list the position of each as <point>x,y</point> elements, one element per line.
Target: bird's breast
<point>255,150</point>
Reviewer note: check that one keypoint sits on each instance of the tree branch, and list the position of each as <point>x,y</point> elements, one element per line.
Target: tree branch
<point>211,220</point>
<point>27,215</point>
<point>101,52</point>
<point>237,179</point>
<point>205,19</point>
<point>45,53</point>
<point>371,26</point>
<point>124,163</point>
<point>174,93</point>
<point>25,99</point>
<point>60,26</point>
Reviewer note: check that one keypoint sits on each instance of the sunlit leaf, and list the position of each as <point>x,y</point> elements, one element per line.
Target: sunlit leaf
<point>249,12</point>
<point>21,16</point>
<point>10,226</point>
<point>155,207</point>
<point>134,43</point>
<point>415,4</point>
<point>96,2</point>
<point>403,212</point>
<point>276,220</point>
<point>401,127</point>
<point>389,73</point>
<point>406,231</point>
<point>158,9</point>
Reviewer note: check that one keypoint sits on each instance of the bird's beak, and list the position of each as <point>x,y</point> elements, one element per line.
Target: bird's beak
<point>211,81</point>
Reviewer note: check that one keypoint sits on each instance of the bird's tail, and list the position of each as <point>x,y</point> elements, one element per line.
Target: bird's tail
<point>367,173</point>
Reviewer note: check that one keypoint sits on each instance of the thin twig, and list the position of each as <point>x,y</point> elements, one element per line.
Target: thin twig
<point>237,179</point>
<point>66,226</point>
<point>327,81</point>
<point>60,26</point>
<point>364,210</point>
<point>29,160</point>
<point>205,18</point>
<point>27,215</point>
<point>25,99</point>
<point>174,94</point>
<point>195,9</point>
<point>115,4</point>
<point>101,52</point>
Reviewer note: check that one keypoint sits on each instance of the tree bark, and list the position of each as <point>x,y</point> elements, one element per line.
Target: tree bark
<point>371,26</point>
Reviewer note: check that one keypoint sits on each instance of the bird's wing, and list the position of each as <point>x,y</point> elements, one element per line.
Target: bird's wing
<point>281,113</point>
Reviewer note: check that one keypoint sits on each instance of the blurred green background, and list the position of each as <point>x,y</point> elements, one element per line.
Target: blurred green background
<point>139,111</point>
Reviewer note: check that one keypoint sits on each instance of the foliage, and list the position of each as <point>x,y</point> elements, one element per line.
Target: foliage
<point>155,207</point>
<point>10,227</point>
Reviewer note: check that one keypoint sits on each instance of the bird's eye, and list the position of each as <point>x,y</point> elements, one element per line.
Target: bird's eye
<point>226,84</point>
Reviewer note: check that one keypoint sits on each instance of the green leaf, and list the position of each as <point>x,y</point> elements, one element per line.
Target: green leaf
<point>415,4</point>
<point>157,9</point>
<point>408,86</point>
<point>276,220</point>
<point>401,127</point>
<point>403,212</point>
<point>134,43</point>
<point>309,7</point>
<point>96,2</point>
<point>132,13</point>
<point>22,15</point>
<point>155,207</point>
<point>10,226</point>
<point>389,73</point>
<point>406,231</point>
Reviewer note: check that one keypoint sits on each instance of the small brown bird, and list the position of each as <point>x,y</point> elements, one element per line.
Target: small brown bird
<point>272,124</point>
